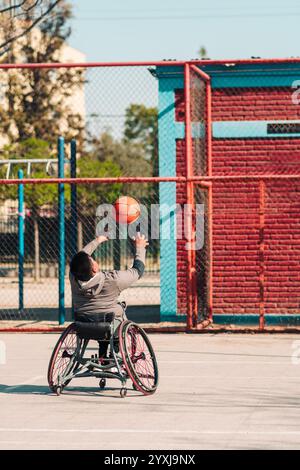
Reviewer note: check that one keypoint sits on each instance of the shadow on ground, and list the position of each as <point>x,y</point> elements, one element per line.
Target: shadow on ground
<point>30,389</point>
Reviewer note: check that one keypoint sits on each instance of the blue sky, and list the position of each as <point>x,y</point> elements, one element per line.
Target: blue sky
<point>162,29</point>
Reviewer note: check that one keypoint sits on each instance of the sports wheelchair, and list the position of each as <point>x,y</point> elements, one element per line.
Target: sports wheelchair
<point>130,356</point>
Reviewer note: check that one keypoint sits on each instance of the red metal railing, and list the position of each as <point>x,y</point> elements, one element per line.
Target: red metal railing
<point>189,193</point>
<point>199,62</point>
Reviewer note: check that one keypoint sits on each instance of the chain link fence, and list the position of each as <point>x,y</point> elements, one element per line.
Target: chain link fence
<point>240,163</point>
<point>255,114</point>
<point>112,112</point>
<point>42,252</point>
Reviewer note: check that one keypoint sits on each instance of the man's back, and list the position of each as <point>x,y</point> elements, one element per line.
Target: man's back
<point>100,293</point>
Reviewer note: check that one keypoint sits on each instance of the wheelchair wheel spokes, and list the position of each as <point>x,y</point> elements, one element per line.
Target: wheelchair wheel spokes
<point>63,358</point>
<point>131,340</point>
<point>143,363</point>
<point>138,357</point>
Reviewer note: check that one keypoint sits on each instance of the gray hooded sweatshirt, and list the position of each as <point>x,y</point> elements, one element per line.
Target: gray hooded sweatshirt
<point>100,293</point>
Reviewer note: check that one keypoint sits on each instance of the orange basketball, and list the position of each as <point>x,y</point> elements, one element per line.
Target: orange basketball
<point>127,210</point>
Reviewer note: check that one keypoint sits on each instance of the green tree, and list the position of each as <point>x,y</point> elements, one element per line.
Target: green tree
<point>20,17</point>
<point>130,158</point>
<point>202,52</point>
<point>90,196</point>
<point>36,196</point>
<point>141,129</point>
<point>40,103</point>
<point>129,155</point>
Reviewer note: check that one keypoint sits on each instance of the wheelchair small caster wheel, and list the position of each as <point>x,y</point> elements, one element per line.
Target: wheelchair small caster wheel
<point>123,392</point>
<point>102,384</point>
<point>58,390</point>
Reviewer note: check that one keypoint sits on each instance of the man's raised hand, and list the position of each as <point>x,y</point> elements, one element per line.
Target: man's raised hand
<point>140,240</point>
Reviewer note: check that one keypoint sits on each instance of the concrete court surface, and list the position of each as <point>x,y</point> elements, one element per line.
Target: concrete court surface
<point>217,391</point>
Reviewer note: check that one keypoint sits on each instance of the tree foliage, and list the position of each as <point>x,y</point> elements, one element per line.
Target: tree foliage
<point>35,196</point>
<point>90,196</point>
<point>141,128</point>
<point>18,18</point>
<point>202,52</point>
<point>39,102</point>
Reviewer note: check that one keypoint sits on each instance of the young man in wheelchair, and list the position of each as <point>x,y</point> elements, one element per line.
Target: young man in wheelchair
<point>95,292</point>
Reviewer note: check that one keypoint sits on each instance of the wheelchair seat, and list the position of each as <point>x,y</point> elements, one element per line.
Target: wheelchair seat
<point>97,326</point>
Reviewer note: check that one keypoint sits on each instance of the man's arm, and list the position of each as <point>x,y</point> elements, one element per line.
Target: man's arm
<point>91,247</point>
<point>126,278</point>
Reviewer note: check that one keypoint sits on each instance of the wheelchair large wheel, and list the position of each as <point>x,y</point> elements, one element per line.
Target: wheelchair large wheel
<point>138,357</point>
<point>62,359</point>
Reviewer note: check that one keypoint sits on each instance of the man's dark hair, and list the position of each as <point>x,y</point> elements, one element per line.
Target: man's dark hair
<point>81,266</point>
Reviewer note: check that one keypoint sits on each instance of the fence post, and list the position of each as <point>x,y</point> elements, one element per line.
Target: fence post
<point>261,254</point>
<point>74,213</point>
<point>21,241</point>
<point>61,232</point>
<point>210,196</point>
<point>189,193</point>
<point>117,249</point>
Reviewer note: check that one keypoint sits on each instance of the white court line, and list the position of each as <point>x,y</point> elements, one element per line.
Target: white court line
<point>258,362</point>
<point>29,381</point>
<point>230,377</point>
<point>145,431</point>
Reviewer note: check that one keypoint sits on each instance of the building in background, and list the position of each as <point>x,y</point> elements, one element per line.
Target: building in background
<point>255,131</point>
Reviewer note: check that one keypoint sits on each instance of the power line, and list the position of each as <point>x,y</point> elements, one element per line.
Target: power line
<point>184,17</point>
<point>178,10</point>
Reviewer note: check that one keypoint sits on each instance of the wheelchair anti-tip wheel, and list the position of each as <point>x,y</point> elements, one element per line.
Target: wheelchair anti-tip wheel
<point>62,360</point>
<point>138,357</point>
<point>102,383</point>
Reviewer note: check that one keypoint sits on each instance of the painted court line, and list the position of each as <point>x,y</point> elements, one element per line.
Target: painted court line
<point>222,377</point>
<point>145,431</point>
<point>258,362</point>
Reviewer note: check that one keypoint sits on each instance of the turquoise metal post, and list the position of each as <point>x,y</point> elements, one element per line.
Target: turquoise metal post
<point>21,240</point>
<point>74,213</point>
<point>61,231</point>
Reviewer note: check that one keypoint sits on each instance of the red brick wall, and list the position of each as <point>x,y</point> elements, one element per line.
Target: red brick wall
<point>282,256</point>
<point>238,104</point>
<point>179,105</point>
<point>235,247</point>
<point>246,104</point>
<point>236,217</point>
<point>256,156</point>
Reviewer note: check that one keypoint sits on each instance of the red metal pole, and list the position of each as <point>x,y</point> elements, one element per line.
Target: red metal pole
<point>160,63</point>
<point>210,197</point>
<point>118,179</point>
<point>68,65</point>
<point>189,191</point>
<point>266,177</point>
<point>210,253</point>
<point>200,72</point>
<point>209,128</point>
<point>261,255</point>
<point>203,180</point>
<point>206,78</point>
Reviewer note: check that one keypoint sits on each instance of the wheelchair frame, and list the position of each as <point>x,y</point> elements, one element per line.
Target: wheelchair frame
<point>80,366</point>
